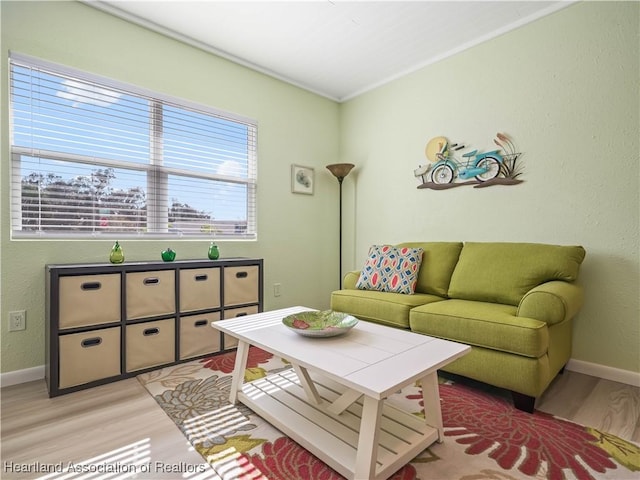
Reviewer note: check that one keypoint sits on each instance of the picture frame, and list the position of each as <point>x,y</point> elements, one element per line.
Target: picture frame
<point>302,179</point>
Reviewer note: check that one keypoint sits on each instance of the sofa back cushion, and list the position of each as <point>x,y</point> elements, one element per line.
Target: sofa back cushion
<point>438,261</point>
<point>504,272</point>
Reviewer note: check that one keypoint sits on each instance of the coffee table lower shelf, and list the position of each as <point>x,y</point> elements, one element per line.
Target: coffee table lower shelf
<point>281,400</point>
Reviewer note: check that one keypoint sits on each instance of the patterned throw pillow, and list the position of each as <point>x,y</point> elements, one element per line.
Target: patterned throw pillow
<point>391,269</point>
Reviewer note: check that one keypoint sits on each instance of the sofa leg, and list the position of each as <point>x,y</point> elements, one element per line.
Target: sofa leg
<point>523,402</point>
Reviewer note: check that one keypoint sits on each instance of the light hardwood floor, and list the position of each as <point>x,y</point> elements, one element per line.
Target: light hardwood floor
<point>602,404</point>
<point>114,424</point>
<point>120,423</point>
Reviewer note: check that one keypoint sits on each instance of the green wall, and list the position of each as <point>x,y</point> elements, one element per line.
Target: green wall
<point>566,89</point>
<point>297,234</point>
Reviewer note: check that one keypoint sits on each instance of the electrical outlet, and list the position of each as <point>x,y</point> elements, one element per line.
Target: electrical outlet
<point>17,320</point>
<point>277,289</point>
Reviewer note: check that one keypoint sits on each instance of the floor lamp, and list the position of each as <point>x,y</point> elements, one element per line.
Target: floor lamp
<point>340,170</point>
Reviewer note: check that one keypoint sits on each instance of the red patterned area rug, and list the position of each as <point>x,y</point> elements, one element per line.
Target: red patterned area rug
<point>485,437</point>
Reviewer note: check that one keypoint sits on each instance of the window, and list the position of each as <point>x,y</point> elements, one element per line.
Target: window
<point>94,158</point>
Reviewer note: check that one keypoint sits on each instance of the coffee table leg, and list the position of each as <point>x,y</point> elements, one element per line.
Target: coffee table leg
<point>307,384</point>
<point>238,370</point>
<point>368,440</point>
<point>431,398</point>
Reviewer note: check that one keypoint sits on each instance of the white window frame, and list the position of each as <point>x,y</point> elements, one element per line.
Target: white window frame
<point>157,175</point>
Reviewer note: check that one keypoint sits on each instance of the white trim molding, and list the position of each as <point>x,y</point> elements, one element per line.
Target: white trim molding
<point>579,366</point>
<point>21,376</point>
<point>602,371</point>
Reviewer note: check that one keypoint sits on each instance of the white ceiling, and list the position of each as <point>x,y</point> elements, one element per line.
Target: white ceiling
<point>335,48</point>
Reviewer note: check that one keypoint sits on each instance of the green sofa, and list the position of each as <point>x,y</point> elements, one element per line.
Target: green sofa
<point>513,303</point>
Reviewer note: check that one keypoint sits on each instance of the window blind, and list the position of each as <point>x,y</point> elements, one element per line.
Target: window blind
<point>94,157</point>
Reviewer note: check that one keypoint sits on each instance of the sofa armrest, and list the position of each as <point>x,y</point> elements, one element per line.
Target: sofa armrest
<point>350,280</point>
<point>552,302</point>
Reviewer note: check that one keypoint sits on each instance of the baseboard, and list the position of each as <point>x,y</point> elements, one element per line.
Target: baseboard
<point>595,370</point>
<point>21,376</point>
<point>602,371</point>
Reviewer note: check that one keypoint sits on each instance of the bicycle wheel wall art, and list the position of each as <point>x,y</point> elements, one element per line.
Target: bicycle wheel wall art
<point>451,166</point>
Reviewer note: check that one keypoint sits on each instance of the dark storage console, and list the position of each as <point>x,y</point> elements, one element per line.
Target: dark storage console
<point>108,322</point>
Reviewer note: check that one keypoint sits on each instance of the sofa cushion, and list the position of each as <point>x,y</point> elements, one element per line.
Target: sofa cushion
<point>504,272</point>
<point>381,307</point>
<point>487,325</point>
<point>438,261</point>
<point>391,269</point>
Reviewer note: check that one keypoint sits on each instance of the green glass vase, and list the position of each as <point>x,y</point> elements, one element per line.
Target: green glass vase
<point>168,255</point>
<point>213,253</point>
<point>117,254</point>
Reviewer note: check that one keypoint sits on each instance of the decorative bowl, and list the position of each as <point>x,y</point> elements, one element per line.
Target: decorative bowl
<point>326,323</point>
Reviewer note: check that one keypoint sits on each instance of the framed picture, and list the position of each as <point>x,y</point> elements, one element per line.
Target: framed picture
<point>302,179</point>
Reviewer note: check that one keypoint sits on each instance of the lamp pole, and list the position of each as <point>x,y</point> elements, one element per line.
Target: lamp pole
<point>340,170</point>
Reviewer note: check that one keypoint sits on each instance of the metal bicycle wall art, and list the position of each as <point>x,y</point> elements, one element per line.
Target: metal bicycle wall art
<point>449,169</point>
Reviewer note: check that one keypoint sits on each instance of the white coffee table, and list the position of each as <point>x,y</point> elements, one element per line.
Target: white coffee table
<point>332,401</point>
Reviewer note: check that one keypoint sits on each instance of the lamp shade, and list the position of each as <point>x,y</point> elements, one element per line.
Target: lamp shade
<point>340,170</point>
